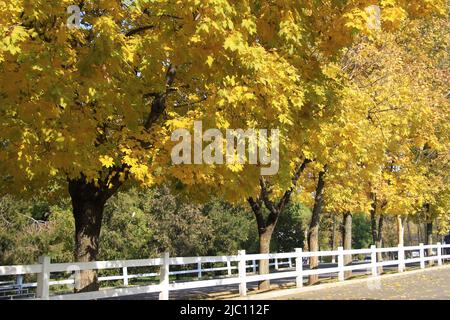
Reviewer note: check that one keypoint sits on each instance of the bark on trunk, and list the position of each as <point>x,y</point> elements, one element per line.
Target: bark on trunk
<point>313,234</point>
<point>429,240</point>
<point>347,236</point>
<point>373,218</point>
<point>429,233</point>
<point>408,232</point>
<point>333,239</point>
<point>379,243</point>
<point>400,231</point>
<point>305,243</point>
<point>377,230</point>
<point>419,234</point>
<point>265,231</point>
<point>313,245</point>
<point>264,248</point>
<point>88,202</point>
<point>88,217</point>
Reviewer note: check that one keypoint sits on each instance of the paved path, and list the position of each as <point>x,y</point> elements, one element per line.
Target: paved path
<point>423,285</point>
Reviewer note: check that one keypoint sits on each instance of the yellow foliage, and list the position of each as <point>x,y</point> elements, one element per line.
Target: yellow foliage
<point>75,102</point>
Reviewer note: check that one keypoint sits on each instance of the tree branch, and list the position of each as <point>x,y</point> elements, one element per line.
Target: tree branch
<point>257,210</point>
<point>159,101</point>
<point>287,195</point>
<point>274,213</point>
<point>132,32</point>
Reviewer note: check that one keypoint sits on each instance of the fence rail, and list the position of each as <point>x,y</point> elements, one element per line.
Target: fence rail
<point>292,262</point>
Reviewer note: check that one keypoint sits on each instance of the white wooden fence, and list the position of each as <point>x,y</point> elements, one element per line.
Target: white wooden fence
<point>293,260</point>
<point>200,270</point>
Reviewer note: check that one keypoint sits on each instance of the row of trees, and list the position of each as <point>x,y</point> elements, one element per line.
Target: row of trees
<point>362,108</point>
<point>143,223</point>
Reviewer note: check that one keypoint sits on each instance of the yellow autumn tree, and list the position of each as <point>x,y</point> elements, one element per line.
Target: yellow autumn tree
<point>391,102</point>
<point>400,79</point>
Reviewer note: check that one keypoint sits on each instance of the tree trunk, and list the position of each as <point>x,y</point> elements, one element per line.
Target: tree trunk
<point>429,239</point>
<point>264,248</point>
<point>379,242</point>
<point>313,245</point>
<point>305,243</point>
<point>265,231</point>
<point>428,230</point>
<point>377,230</point>
<point>347,236</point>
<point>313,234</point>
<point>88,218</point>
<point>400,231</point>
<point>333,239</point>
<point>408,230</point>
<point>88,202</point>
<point>419,234</point>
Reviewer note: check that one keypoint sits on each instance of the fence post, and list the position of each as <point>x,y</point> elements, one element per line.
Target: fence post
<point>401,258</point>
<point>254,266</point>
<point>341,263</point>
<point>199,269</point>
<point>43,279</point>
<point>299,267</point>
<point>439,254</point>
<point>290,263</point>
<point>276,263</point>
<point>242,273</point>
<point>125,276</point>
<point>373,260</point>
<point>164,276</point>
<point>19,282</point>
<point>422,256</point>
<point>229,267</point>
